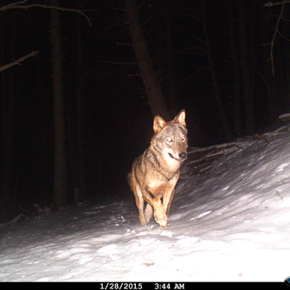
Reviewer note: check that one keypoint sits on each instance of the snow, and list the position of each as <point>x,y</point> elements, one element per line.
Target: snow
<point>228,223</point>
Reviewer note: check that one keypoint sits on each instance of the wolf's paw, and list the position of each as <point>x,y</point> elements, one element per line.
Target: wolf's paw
<point>143,224</point>
<point>161,218</point>
<point>163,223</point>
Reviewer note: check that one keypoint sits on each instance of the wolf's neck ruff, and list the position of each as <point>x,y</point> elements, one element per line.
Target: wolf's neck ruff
<point>155,160</point>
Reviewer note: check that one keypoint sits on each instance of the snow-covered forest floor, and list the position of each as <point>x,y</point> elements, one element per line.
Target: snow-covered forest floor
<point>228,222</point>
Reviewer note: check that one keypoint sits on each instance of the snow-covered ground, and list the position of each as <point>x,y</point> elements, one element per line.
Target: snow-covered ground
<point>231,222</point>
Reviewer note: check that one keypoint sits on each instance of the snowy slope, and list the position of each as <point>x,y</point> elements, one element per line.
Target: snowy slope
<point>229,223</point>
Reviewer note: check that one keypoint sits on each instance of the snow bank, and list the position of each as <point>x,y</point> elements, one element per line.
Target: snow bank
<point>228,223</point>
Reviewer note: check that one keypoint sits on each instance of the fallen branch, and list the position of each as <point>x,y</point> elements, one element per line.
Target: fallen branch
<point>227,146</point>
<point>283,129</point>
<point>214,156</point>
<point>279,194</point>
<point>261,137</point>
<point>285,117</point>
<point>18,61</point>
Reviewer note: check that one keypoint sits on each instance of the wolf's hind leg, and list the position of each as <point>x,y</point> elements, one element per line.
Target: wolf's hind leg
<point>140,205</point>
<point>148,212</point>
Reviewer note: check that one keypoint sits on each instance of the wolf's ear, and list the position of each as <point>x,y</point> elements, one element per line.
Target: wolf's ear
<point>180,118</point>
<point>158,124</point>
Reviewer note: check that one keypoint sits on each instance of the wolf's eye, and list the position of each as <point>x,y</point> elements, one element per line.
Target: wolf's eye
<point>169,140</point>
<point>183,137</point>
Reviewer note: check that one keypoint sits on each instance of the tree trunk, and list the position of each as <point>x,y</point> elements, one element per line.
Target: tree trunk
<point>152,87</point>
<point>59,191</point>
<point>215,82</point>
<point>283,53</point>
<point>172,90</point>
<point>246,77</point>
<point>274,102</point>
<point>8,102</point>
<point>79,115</point>
<point>46,141</point>
<point>237,76</point>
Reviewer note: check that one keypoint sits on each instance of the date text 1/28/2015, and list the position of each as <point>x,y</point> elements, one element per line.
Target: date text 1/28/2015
<point>141,286</point>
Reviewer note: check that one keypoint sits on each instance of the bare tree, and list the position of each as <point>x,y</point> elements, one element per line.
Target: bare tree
<point>59,191</point>
<point>74,109</point>
<point>237,75</point>
<point>172,83</point>
<point>153,91</point>
<point>276,30</point>
<point>7,200</point>
<point>79,115</point>
<point>248,95</point>
<point>8,104</point>
<point>214,78</point>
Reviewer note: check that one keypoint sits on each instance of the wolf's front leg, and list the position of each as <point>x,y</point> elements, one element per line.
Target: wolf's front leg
<point>160,216</point>
<point>167,199</point>
<point>155,203</point>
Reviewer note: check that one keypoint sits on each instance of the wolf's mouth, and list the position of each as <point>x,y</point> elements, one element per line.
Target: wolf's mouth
<point>174,157</point>
<point>182,156</point>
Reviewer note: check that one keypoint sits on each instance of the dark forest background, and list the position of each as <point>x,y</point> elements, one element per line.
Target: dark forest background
<point>227,63</point>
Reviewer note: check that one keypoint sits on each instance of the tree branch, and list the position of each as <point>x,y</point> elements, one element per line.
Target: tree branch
<point>18,61</point>
<point>111,62</point>
<point>270,4</point>
<point>275,33</point>
<point>23,5</point>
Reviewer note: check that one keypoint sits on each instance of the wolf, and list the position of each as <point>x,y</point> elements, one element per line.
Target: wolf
<point>155,173</point>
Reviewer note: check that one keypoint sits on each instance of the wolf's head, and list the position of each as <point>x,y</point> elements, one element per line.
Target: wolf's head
<point>170,139</point>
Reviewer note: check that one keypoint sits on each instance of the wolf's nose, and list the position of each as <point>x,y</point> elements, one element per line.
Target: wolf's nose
<point>182,155</point>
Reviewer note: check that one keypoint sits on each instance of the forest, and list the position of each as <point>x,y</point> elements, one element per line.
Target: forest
<point>80,83</point>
